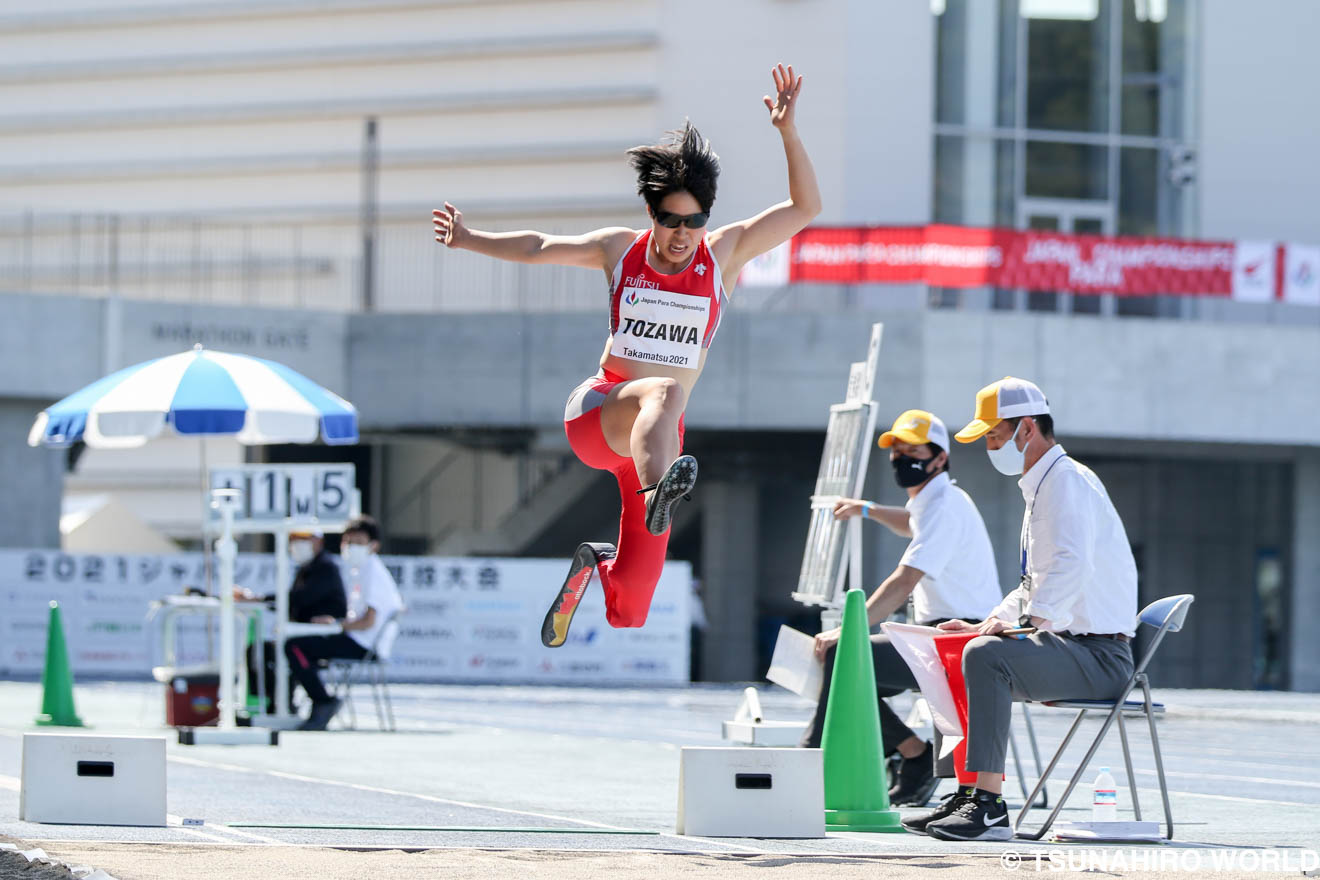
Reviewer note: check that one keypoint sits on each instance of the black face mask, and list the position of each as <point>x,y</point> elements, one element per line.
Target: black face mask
<point>909,471</point>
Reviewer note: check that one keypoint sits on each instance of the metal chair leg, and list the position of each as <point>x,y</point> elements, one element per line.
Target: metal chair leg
<point>375,695</point>
<point>1017,763</point>
<point>389,704</point>
<point>1044,777</point>
<point>1081,767</point>
<point>1044,801</point>
<point>1127,763</point>
<point>1159,758</point>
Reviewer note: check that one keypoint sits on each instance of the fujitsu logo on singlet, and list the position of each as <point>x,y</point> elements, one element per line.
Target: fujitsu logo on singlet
<point>640,281</point>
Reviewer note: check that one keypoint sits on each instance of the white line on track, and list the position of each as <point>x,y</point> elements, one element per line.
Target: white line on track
<point>296,777</point>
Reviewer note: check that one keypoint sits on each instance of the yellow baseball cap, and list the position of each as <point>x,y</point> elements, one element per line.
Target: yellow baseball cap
<point>1009,398</point>
<point>916,426</point>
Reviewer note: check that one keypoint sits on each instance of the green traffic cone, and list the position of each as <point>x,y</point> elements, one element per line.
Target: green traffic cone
<point>856,786</point>
<point>57,678</point>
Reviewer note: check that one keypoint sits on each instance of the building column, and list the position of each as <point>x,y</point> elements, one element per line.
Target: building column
<point>34,481</point>
<point>730,550</point>
<point>1303,647</point>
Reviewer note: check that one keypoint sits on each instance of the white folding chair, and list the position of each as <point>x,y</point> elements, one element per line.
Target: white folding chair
<point>1166,616</point>
<point>371,668</point>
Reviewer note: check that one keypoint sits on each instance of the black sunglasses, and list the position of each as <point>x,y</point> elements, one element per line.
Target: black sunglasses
<point>671,221</point>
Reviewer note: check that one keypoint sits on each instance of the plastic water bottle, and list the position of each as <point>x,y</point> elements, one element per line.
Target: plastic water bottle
<point>1104,798</point>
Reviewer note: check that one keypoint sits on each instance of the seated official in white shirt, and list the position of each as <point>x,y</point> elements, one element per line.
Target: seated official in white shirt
<point>948,570</point>
<point>373,599</point>
<point>1078,589</point>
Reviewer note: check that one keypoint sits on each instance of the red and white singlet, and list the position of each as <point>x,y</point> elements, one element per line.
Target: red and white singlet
<point>665,319</point>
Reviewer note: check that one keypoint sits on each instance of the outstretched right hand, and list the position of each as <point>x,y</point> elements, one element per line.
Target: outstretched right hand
<point>847,508</point>
<point>449,228</point>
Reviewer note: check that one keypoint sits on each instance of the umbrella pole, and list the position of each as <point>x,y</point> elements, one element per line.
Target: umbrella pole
<point>206,514</point>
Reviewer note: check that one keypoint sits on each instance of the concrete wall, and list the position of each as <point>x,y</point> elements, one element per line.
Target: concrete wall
<point>1131,378</point>
<point>32,481</point>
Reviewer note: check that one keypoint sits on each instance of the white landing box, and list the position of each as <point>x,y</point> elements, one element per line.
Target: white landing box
<point>731,792</point>
<point>77,779</point>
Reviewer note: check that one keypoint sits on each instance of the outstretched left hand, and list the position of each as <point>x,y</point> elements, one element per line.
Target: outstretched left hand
<point>782,108</point>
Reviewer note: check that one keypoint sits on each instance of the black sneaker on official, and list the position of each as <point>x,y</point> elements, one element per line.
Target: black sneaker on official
<point>917,824</point>
<point>675,484</point>
<point>982,816</point>
<point>321,714</point>
<point>915,780</point>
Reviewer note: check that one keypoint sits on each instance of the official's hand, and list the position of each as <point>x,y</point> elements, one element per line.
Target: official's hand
<point>323,618</point>
<point>448,223</point>
<point>993,625</point>
<point>825,640</point>
<point>847,508</point>
<point>784,105</point>
<point>957,626</point>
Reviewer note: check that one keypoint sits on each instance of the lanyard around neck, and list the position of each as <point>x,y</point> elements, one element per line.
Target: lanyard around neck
<point>1026,526</point>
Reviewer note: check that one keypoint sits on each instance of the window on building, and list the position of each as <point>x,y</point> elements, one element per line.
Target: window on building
<point>1064,114</point>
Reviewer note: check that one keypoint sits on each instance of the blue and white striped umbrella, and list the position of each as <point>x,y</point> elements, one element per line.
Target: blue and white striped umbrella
<point>198,393</point>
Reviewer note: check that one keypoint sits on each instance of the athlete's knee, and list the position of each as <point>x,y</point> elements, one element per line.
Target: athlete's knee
<point>666,394</point>
<point>623,617</point>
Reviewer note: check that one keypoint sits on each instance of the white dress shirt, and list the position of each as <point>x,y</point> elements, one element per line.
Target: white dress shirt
<point>370,586</point>
<point>1081,577</point>
<point>951,548</point>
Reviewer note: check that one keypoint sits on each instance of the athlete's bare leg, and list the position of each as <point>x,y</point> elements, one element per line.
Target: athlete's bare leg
<point>640,421</point>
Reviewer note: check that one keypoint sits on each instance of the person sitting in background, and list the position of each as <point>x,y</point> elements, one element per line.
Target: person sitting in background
<point>317,595</point>
<point>373,600</point>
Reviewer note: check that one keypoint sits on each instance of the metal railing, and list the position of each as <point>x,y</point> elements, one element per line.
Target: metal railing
<point>315,262</point>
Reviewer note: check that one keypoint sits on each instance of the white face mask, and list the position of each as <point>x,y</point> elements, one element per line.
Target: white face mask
<point>356,554</point>
<point>1008,459</point>
<point>301,552</point>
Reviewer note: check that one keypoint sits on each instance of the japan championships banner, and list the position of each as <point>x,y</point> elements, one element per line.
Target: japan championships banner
<point>954,256</point>
<point>467,620</point>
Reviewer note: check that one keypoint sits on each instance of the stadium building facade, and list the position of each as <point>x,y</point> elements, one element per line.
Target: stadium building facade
<point>258,177</point>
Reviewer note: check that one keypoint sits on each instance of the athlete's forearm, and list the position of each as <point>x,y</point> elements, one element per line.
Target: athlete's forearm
<point>803,191</point>
<point>524,246</point>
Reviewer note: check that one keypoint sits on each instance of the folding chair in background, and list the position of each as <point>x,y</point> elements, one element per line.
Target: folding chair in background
<point>1166,616</point>
<point>372,669</point>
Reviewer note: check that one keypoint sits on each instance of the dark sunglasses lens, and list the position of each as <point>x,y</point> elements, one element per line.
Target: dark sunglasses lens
<point>696,221</point>
<point>669,221</point>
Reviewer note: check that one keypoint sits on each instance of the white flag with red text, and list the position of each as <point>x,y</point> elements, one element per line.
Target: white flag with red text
<point>916,645</point>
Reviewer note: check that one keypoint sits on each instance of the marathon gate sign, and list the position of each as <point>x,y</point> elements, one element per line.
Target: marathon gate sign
<point>467,620</point>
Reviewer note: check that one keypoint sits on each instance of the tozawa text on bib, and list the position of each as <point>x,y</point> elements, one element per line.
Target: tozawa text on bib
<point>660,327</point>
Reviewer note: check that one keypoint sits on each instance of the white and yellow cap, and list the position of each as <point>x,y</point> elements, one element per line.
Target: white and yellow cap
<point>916,426</point>
<point>1009,398</point>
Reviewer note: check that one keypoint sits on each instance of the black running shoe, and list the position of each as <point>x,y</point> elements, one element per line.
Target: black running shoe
<point>554,630</point>
<point>915,780</point>
<point>982,816</point>
<point>917,824</point>
<point>675,484</point>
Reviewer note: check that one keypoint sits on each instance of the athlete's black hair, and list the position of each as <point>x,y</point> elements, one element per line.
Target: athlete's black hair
<point>684,162</point>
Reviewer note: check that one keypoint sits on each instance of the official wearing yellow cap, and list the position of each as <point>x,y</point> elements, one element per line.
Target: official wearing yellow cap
<point>1077,597</point>
<point>947,571</point>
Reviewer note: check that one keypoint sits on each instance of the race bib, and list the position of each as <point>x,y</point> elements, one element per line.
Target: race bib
<point>660,327</point>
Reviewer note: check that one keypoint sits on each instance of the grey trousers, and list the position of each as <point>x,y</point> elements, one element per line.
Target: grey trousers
<point>1043,666</point>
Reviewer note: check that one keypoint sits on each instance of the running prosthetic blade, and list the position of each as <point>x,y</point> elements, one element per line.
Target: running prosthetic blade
<point>675,484</point>
<point>554,630</point>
